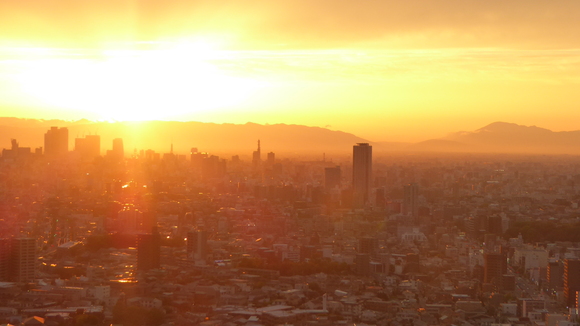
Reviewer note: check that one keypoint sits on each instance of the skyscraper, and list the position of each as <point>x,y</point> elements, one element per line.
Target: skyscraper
<point>23,259</point>
<point>362,164</point>
<point>495,266</point>
<point>4,259</point>
<point>89,147</point>
<point>571,281</point>
<point>257,156</point>
<point>148,251</point>
<point>56,141</point>
<point>118,151</point>
<point>197,245</point>
<point>271,158</point>
<point>411,200</point>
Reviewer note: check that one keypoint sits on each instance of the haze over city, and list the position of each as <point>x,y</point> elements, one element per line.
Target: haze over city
<point>292,162</point>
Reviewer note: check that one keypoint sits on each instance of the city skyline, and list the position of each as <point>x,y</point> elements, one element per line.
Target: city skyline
<point>292,140</point>
<point>417,70</point>
<point>296,162</point>
<point>285,238</point>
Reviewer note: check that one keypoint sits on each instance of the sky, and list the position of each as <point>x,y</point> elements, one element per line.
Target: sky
<point>385,70</point>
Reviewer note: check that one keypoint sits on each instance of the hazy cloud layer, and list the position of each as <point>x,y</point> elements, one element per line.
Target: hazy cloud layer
<point>298,23</point>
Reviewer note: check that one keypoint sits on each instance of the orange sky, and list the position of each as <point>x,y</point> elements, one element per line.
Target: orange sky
<point>386,70</point>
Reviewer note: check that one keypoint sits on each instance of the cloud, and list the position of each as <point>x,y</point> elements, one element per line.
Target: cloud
<point>299,23</point>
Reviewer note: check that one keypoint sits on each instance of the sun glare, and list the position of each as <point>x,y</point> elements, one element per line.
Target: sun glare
<point>138,84</point>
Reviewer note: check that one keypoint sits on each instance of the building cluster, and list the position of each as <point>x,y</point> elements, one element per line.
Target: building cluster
<point>94,237</point>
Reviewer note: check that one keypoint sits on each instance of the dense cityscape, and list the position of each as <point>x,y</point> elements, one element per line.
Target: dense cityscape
<point>104,235</point>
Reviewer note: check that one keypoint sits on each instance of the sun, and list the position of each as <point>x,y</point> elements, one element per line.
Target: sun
<point>134,85</point>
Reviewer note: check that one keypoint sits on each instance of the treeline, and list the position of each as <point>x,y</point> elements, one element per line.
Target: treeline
<point>545,231</point>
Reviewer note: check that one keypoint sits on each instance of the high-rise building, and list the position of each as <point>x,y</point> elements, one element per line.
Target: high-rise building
<point>411,200</point>
<point>197,245</point>
<point>118,151</point>
<point>89,147</point>
<point>56,141</point>
<point>362,165</point>
<point>554,274</point>
<point>495,266</point>
<point>271,158</point>
<point>257,156</point>
<point>23,259</point>
<point>571,281</point>
<point>332,176</point>
<point>4,259</point>
<point>148,251</point>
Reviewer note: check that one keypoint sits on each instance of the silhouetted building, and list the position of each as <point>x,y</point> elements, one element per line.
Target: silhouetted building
<point>554,274</point>
<point>571,281</point>
<point>148,251</point>
<point>332,177</point>
<point>495,266</point>
<point>257,156</point>
<point>362,164</point>
<point>118,152</point>
<point>15,151</point>
<point>22,259</point>
<point>4,259</point>
<point>56,141</point>
<point>271,158</point>
<point>197,160</point>
<point>411,201</point>
<point>89,147</point>
<point>197,245</point>
<point>213,167</point>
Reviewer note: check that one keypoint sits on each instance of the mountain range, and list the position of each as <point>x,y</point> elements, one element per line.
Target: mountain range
<point>161,136</point>
<point>503,137</point>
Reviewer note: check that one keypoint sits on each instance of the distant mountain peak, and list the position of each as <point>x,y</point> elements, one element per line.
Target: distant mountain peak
<point>505,137</point>
<point>504,127</point>
<point>499,126</point>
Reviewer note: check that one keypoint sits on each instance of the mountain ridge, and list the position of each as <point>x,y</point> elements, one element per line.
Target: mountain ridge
<point>182,136</point>
<point>496,137</point>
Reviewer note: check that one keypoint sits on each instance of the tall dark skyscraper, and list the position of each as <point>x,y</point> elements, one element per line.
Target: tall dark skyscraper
<point>362,165</point>
<point>411,200</point>
<point>571,281</point>
<point>23,259</point>
<point>271,158</point>
<point>56,141</point>
<point>148,251</point>
<point>197,245</point>
<point>495,266</point>
<point>4,259</point>
<point>257,156</point>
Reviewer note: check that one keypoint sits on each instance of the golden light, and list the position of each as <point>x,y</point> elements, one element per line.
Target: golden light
<point>123,85</point>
